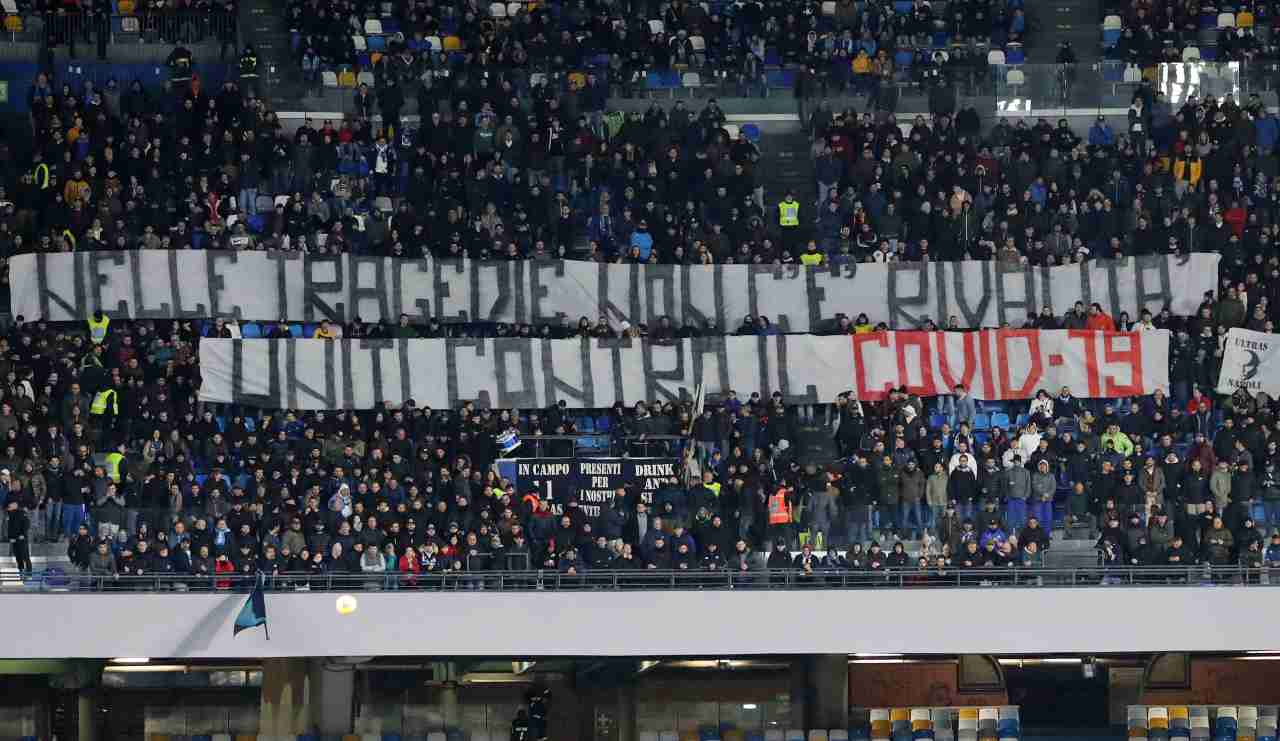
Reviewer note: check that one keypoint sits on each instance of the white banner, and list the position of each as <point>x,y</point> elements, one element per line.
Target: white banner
<point>1250,360</point>
<point>269,286</point>
<point>521,373</point>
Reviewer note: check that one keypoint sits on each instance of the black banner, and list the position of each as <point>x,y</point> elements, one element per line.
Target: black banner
<point>592,481</point>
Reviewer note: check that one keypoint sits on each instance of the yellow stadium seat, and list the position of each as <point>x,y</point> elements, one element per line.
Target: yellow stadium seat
<point>895,714</point>
<point>1178,711</point>
<point>126,7</point>
<point>688,736</point>
<point>881,728</point>
<point>452,43</point>
<point>1244,19</point>
<point>375,57</point>
<point>13,23</point>
<point>921,725</point>
<point>346,78</point>
<point>1137,733</point>
<point>158,737</point>
<point>1158,723</point>
<point>733,734</point>
<point>968,714</point>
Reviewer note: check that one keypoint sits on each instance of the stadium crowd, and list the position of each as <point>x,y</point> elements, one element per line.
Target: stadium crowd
<point>107,449</point>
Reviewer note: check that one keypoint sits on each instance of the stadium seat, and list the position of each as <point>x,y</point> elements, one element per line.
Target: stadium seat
<point>656,27</point>
<point>794,734</point>
<point>359,43</point>
<point>498,10</point>
<point>819,734</point>
<point>434,43</point>
<point>838,734</point>
<point>1226,20</point>
<point>1015,79</point>
<point>346,78</point>
<point>13,23</point>
<point>365,78</point>
<point>1014,54</point>
<point>995,58</point>
<point>752,132</point>
<point>452,43</point>
<point>513,9</point>
<point>691,80</point>
<point>373,27</point>
<point>377,43</point>
<point>773,734</point>
<point>829,8</point>
<point>329,78</point>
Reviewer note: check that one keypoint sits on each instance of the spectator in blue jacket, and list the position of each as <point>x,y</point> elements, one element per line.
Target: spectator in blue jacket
<point>642,240</point>
<point>1101,134</point>
<point>1268,131</point>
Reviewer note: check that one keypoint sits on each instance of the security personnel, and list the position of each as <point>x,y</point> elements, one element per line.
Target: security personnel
<point>115,462</point>
<point>98,327</point>
<point>179,64</point>
<point>811,256</point>
<point>789,222</point>
<point>40,172</point>
<point>249,69</point>
<point>789,212</point>
<point>539,700</point>
<point>104,401</point>
<point>520,726</point>
<point>104,411</point>
<point>779,508</point>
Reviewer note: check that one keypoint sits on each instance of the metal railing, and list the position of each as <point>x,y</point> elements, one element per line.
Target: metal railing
<point>172,27</point>
<point>615,580</point>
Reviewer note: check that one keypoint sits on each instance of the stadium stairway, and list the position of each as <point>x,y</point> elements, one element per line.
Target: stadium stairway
<point>281,74</point>
<point>1052,22</point>
<point>785,165</point>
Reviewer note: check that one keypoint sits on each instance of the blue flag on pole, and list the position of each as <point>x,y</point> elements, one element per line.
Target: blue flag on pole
<point>254,612</point>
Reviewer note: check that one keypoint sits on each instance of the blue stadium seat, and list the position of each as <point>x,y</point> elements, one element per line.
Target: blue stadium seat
<point>603,423</point>
<point>902,6</point>
<point>1000,419</point>
<point>390,26</point>
<point>771,57</point>
<point>937,420</point>
<point>250,330</point>
<point>586,424</point>
<point>660,81</point>
<point>981,421</point>
<point>1112,72</point>
<point>309,330</point>
<point>1111,37</point>
<point>941,39</point>
<point>904,58</point>
<point>1208,53</point>
<point>751,131</point>
<point>781,78</point>
<point>1014,54</point>
<point>296,330</point>
<point>377,43</point>
<point>981,436</point>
